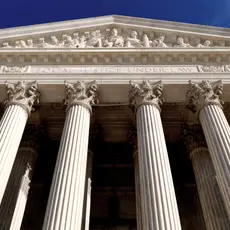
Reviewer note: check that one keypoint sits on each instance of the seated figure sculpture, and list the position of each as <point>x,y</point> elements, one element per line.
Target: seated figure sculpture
<point>159,42</point>
<point>181,43</point>
<point>68,41</point>
<point>133,41</point>
<point>94,40</point>
<point>206,44</point>
<point>114,40</point>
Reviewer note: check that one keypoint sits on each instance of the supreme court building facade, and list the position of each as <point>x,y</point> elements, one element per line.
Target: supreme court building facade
<point>115,123</point>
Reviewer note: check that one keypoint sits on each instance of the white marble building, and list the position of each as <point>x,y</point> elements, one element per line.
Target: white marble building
<point>122,122</point>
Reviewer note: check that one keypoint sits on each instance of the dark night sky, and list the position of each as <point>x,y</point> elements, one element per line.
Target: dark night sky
<point>27,12</point>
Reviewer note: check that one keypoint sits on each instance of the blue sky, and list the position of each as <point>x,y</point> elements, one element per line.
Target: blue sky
<point>27,12</point>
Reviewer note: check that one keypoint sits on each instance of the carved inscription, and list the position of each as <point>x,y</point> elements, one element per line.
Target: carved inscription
<point>114,69</point>
<point>94,70</point>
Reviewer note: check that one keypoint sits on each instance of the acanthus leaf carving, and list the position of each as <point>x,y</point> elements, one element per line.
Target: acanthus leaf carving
<point>146,93</point>
<point>193,137</point>
<point>214,69</point>
<point>98,39</point>
<point>22,93</point>
<point>14,69</point>
<point>81,93</point>
<point>204,93</point>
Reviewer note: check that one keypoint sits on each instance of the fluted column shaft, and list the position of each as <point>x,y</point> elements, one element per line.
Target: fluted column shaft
<point>65,204</point>
<point>199,213</point>
<point>157,191</point>
<point>215,215</point>
<point>12,126</point>
<point>205,98</point>
<point>217,134</point>
<point>14,200</point>
<point>18,106</point>
<point>158,200</point>
<point>137,192</point>
<point>88,187</point>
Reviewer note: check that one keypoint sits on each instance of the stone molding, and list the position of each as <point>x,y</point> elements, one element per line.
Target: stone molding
<point>146,93</point>
<point>193,137</point>
<point>125,22</point>
<point>23,94</point>
<point>149,69</point>
<point>81,93</point>
<point>204,93</point>
<point>116,56</point>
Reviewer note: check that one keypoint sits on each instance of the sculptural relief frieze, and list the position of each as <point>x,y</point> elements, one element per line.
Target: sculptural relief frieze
<point>112,38</point>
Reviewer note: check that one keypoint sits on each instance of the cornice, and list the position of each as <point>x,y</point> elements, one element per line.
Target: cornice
<point>113,19</point>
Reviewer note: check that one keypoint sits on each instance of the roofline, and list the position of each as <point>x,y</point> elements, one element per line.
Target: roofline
<point>110,19</point>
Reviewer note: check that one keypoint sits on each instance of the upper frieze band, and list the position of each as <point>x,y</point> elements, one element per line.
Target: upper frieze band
<point>112,37</point>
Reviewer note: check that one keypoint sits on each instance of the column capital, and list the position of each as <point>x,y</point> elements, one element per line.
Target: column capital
<point>193,137</point>
<point>204,93</point>
<point>81,93</point>
<point>146,93</point>
<point>22,93</point>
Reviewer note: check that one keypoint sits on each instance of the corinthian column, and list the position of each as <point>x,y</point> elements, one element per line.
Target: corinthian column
<point>158,200</point>
<point>18,105</point>
<point>215,215</point>
<point>65,204</point>
<point>14,200</point>
<point>205,99</point>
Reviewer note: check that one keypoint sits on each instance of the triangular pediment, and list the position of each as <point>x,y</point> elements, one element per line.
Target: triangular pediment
<point>114,32</point>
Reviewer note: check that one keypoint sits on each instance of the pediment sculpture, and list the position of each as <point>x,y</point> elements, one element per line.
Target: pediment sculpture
<point>97,39</point>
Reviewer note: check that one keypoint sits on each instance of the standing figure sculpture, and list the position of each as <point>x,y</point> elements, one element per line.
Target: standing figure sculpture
<point>145,41</point>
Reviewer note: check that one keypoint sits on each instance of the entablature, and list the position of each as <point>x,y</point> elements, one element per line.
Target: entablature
<point>116,56</point>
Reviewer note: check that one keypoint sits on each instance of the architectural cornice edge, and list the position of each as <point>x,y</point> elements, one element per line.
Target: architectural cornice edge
<point>116,55</point>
